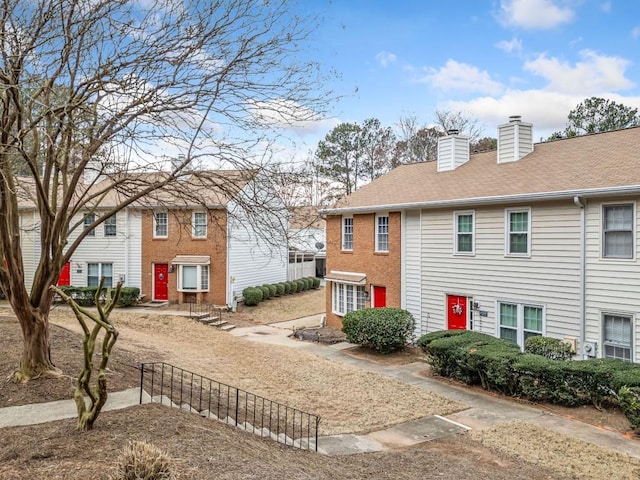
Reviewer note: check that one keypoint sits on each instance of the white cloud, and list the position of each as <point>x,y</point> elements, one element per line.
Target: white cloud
<point>594,73</point>
<point>461,77</point>
<point>511,46</point>
<point>534,14</point>
<point>546,110</point>
<point>289,115</point>
<point>635,33</point>
<point>385,58</point>
<point>606,7</point>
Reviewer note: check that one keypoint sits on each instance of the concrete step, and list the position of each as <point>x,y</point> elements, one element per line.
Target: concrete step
<point>227,327</point>
<point>218,323</point>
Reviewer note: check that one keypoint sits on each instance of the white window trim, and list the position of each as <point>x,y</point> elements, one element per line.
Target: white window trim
<point>377,233</point>
<point>198,278</point>
<point>342,234</point>
<point>115,225</point>
<point>520,318</point>
<point>155,235</point>
<point>507,232</point>
<point>340,309</point>
<point>193,224</point>
<point>633,232</point>
<point>473,232</point>
<point>615,313</point>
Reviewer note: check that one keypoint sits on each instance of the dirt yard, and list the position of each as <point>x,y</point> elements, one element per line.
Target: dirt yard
<point>347,398</point>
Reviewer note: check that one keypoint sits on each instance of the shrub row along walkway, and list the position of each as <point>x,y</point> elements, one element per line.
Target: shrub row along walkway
<point>486,411</point>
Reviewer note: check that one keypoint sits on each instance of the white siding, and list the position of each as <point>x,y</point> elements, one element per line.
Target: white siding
<point>257,241</point>
<point>412,276</point>
<point>124,251</point>
<point>28,242</point>
<point>612,286</point>
<point>549,277</point>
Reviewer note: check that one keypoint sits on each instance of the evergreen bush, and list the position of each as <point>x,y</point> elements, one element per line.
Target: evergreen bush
<point>266,292</point>
<point>548,347</point>
<point>629,400</point>
<point>252,296</point>
<point>280,289</point>
<point>384,330</point>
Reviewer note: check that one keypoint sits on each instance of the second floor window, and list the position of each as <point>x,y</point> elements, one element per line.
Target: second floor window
<point>110,227</point>
<point>464,230</point>
<point>160,224</point>
<point>382,233</point>
<point>199,225</point>
<point>347,233</point>
<point>518,232</point>
<point>89,218</point>
<point>617,231</point>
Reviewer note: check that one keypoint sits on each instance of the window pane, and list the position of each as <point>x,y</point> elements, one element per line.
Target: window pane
<point>618,244</point>
<point>619,217</point>
<point>204,277</point>
<point>533,319</point>
<point>518,243</point>
<point>508,315</point>
<point>93,274</point>
<point>347,233</point>
<point>509,334</point>
<point>88,220</point>
<point>110,226</point>
<point>519,221</point>
<point>617,330</point>
<point>360,298</point>
<point>189,277</point>
<point>199,224</point>
<point>465,223</point>
<point>341,298</point>
<point>107,273</point>
<point>160,224</point>
<point>465,243</point>
<point>382,231</point>
<point>349,307</point>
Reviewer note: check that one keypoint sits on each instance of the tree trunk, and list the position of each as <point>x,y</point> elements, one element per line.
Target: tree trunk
<point>36,355</point>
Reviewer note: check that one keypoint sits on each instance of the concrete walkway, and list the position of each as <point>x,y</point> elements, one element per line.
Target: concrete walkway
<point>485,410</point>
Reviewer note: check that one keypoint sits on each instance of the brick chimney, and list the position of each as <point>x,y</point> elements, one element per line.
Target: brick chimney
<point>453,151</point>
<point>515,140</point>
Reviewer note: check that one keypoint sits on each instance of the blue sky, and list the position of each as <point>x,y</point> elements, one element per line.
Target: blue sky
<point>490,59</point>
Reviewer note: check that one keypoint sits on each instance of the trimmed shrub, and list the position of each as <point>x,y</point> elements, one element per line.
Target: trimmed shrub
<point>143,461</point>
<point>128,296</point>
<point>384,330</point>
<point>315,283</point>
<point>308,283</point>
<point>629,400</point>
<point>548,347</point>
<point>266,292</point>
<point>273,290</point>
<point>280,289</point>
<point>252,296</point>
<point>287,287</point>
<point>424,341</point>
<point>302,286</point>
<point>294,286</point>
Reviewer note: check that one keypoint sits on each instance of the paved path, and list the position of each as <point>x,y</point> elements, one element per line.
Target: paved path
<point>486,410</point>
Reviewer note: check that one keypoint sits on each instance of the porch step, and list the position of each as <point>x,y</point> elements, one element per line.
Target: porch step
<point>227,327</point>
<point>218,323</point>
<point>210,320</point>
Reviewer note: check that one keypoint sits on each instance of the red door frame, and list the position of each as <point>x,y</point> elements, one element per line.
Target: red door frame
<point>457,312</point>
<point>160,281</point>
<point>379,296</point>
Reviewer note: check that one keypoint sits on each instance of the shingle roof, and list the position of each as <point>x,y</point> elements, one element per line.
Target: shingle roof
<point>585,164</point>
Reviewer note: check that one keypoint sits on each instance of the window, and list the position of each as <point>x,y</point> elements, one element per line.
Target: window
<point>199,225</point>
<point>347,233</point>
<point>382,233</point>
<point>518,232</point>
<point>160,224</point>
<point>193,278</point>
<point>617,337</point>
<point>347,298</point>
<point>110,228</point>
<point>89,218</point>
<point>518,321</point>
<point>464,232</point>
<point>617,231</point>
<point>95,271</point>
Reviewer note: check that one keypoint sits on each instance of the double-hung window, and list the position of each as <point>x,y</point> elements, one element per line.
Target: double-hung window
<point>617,336</point>
<point>464,233</point>
<point>347,233</point>
<point>347,298</point>
<point>518,232</point>
<point>518,321</point>
<point>110,227</point>
<point>193,278</point>
<point>199,225</point>
<point>382,233</point>
<point>89,218</point>
<point>95,271</point>
<point>617,231</point>
<point>160,225</point>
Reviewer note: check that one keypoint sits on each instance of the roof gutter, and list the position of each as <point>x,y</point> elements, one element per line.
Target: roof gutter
<point>476,201</point>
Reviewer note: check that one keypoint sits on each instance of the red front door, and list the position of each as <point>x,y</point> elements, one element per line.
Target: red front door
<point>161,281</point>
<point>379,297</point>
<point>456,312</point>
<point>65,275</point>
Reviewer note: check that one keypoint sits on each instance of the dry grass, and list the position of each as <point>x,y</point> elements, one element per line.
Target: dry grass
<point>288,307</point>
<point>568,456</point>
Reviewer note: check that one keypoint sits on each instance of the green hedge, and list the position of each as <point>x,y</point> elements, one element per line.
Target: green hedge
<point>548,347</point>
<point>382,329</point>
<point>85,296</point>
<point>252,296</point>
<point>273,290</point>
<point>496,364</point>
<point>280,289</point>
<point>269,290</point>
<point>266,292</point>
<point>629,398</point>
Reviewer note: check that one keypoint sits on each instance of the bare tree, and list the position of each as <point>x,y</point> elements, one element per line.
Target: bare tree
<point>92,92</point>
<point>377,144</point>
<point>466,125</point>
<point>417,143</point>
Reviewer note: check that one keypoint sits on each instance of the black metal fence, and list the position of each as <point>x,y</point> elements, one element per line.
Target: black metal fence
<point>204,310</point>
<point>170,385</point>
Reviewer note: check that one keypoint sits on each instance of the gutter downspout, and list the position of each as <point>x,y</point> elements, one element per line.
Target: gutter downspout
<point>580,203</point>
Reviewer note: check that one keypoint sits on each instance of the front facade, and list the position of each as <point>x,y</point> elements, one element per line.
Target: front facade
<point>520,242</point>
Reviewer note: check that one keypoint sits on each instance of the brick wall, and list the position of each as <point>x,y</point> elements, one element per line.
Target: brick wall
<point>179,241</point>
<point>382,269</point>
